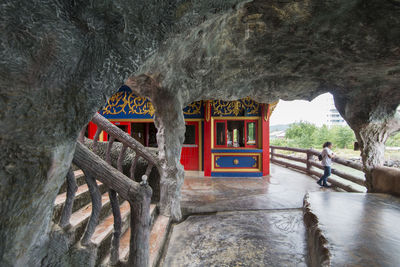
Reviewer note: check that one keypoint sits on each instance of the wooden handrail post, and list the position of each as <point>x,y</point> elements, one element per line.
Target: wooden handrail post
<point>272,153</point>
<point>139,247</point>
<point>309,157</point>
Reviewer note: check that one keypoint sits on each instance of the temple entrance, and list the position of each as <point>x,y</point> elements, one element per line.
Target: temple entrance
<point>191,152</point>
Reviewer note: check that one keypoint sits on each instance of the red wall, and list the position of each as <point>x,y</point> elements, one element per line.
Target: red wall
<point>265,139</point>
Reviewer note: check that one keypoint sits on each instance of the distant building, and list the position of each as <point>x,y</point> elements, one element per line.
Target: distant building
<point>333,117</point>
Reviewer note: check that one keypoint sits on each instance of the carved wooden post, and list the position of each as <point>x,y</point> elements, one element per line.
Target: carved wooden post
<point>140,226</point>
<point>309,158</point>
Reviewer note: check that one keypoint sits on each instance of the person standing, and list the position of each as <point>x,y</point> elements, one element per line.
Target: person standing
<point>327,156</point>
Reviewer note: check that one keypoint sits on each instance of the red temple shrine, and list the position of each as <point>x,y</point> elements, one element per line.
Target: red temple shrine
<point>223,138</point>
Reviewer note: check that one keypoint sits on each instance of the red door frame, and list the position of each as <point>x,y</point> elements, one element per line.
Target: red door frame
<point>207,138</point>
<point>190,153</point>
<point>92,128</point>
<point>215,132</point>
<point>255,131</point>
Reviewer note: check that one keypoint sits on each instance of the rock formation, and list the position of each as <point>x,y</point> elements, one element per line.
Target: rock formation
<point>60,61</point>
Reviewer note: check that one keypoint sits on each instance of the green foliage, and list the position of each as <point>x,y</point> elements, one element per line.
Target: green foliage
<point>307,135</point>
<point>394,140</point>
<point>303,133</point>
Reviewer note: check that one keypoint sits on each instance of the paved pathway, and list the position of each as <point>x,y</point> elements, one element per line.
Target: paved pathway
<point>256,221</point>
<point>283,189</point>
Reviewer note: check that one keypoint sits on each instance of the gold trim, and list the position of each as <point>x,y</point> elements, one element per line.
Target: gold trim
<point>131,120</point>
<point>216,164</point>
<point>235,118</point>
<point>200,120</point>
<point>212,132</point>
<point>208,110</point>
<point>255,164</point>
<point>271,108</point>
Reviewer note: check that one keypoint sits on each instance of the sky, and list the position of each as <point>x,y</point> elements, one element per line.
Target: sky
<point>287,112</point>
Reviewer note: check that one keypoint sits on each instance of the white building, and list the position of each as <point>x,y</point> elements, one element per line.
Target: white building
<point>333,117</point>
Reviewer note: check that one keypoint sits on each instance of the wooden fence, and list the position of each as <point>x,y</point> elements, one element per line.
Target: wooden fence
<point>311,160</point>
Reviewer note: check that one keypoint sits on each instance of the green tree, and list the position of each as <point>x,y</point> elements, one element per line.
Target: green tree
<point>323,135</point>
<point>306,135</point>
<point>343,136</point>
<point>302,133</point>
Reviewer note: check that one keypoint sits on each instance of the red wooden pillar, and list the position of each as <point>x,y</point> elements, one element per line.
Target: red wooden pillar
<point>92,128</point>
<point>207,139</point>
<point>265,138</point>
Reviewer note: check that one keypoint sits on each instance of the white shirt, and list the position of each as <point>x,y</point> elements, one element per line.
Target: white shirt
<point>326,160</point>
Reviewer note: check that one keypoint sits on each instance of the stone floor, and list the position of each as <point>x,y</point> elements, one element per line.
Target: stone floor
<point>254,221</point>
<point>259,222</point>
<point>283,189</point>
<point>360,229</point>
<point>239,238</point>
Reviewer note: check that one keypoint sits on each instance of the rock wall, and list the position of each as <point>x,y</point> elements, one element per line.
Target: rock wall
<point>288,50</point>
<point>60,61</point>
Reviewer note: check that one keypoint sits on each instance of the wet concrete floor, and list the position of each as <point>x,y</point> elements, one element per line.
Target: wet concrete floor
<point>360,229</point>
<point>283,189</point>
<point>257,221</point>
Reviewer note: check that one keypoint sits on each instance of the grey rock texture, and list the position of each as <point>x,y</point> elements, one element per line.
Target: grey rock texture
<point>61,60</point>
<point>283,49</point>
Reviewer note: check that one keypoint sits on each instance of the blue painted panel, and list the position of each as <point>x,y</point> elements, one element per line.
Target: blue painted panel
<point>236,174</point>
<point>228,162</point>
<point>237,150</point>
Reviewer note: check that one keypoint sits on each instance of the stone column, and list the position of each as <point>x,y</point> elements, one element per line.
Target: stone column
<point>373,119</point>
<point>170,124</point>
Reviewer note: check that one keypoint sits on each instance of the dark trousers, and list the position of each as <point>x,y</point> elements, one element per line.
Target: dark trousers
<point>327,173</point>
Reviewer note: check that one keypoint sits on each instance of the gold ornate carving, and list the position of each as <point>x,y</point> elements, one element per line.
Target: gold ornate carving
<point>271,108</point>
<point>116,104</point>
<point>235,161</point>
<point>136,105</point>
<point>252,106</point>
<point>193,109</point>
<point>216,164</point>
<point>225,108</point>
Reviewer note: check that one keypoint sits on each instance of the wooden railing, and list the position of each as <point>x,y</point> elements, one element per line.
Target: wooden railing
<point>137,194</point>
<point>311,160</point>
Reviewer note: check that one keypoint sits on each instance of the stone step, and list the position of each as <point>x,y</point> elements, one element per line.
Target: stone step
<point>158,237</point>
<point>80,218</point>
<point>80,180</point>
<point>103,234</point>
<point>82,198</point>
<point>125,238</point>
